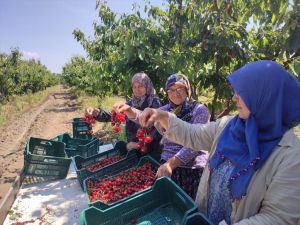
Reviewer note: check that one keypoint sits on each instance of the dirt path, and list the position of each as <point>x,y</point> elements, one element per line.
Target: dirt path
<point>52,117</point>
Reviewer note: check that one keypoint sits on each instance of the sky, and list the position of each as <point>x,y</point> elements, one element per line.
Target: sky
<point>42,29</point>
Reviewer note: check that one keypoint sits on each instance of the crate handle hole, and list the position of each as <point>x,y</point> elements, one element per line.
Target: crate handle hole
<point>46,143</point>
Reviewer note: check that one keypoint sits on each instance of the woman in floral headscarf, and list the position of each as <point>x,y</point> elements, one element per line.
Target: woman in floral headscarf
<point>143,96</point>
<point>183,165</point>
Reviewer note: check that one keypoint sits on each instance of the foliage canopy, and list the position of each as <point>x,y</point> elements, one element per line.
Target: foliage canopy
<point>206,40</point>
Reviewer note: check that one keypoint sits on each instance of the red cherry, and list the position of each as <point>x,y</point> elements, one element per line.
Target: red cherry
<point>139,144</point>
<point>139,133</point>
<point>148,139</point>
<point>133,221</point>
<point>117,129</point>
<point>144,149</point>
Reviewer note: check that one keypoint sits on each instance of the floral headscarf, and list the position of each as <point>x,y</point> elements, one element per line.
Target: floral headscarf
<point>187,106</point>
<point>150,91</point>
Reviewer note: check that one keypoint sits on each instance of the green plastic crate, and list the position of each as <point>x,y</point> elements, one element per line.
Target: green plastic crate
<point>196,219</point>
<point>78,119</point>
<point>164,203</point>
<point>80,162</point>
<point>114,170</point>
<point>75,146</point>
<point>81,129</point>
<point>46,158</point>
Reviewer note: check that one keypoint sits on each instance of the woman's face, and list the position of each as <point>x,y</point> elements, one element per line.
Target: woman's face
<point>177,94</point>
<point>241,106</point>
<point>138,89</point>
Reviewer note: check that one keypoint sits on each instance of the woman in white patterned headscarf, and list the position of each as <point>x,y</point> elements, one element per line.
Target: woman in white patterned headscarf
<point>144,96</point>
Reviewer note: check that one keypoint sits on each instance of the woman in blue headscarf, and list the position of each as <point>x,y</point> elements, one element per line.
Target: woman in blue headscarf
<point>252,176</point>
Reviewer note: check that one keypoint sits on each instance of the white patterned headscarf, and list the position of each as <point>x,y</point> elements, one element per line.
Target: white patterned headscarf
<point>143,78</point>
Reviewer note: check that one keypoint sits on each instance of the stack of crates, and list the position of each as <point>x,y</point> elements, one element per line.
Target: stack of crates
<point>165,203</point>
<point>45,158</point>
<point>81,129</point>
<point>76,146</point>
<point>80,162</point>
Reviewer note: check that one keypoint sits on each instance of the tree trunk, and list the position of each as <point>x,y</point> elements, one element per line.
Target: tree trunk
<point>213,108</point>
<point>227,110</point>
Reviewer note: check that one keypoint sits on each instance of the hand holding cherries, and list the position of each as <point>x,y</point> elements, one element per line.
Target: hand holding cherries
<point>117,119</point>
<point>90,120</point>
<point>144,139</point>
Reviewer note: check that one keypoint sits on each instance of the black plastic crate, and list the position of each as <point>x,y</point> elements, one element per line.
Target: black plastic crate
<point>46,158</point>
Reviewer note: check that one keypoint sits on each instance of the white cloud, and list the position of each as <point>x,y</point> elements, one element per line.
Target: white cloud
<point>30,55</point>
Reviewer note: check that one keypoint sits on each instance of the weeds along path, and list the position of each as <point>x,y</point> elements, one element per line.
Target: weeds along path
<point>52,117</point>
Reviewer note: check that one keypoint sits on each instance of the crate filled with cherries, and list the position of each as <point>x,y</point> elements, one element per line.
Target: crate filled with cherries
<point>121,180</point>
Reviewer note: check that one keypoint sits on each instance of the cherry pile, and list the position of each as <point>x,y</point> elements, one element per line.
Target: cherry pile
<point>103,162</point>
<point>124,184</point>
<point>90,120</point>
<point>117,119</point>
<point>144,139</point>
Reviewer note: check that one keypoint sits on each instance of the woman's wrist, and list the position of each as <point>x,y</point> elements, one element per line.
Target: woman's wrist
<point>131,113</point>
<point>163,119</point>
<point>174,162</point>
<point>96,112</point>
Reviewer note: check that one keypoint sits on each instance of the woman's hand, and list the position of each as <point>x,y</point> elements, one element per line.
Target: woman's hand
<point>149,116</point>
<point>92,112</point>
<point>131,145</point>
<point>123,107</point>
<point>167,168</point>
<point>164,170</point>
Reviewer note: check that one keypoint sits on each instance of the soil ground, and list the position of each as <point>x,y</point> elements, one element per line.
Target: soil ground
<point>48,119</point>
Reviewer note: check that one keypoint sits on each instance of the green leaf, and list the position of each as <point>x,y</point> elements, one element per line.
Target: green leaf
<point>273,18</point>
<point>141,55</point>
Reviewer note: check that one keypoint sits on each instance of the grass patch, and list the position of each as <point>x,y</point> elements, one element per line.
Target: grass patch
<point>106,103</point>
<point>18,104</point>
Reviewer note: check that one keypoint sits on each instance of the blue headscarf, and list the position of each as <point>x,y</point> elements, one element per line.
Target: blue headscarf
<point>273,97</point>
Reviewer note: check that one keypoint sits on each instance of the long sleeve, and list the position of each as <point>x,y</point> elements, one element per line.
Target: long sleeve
<point>185,154</point>
<point>281,198</point>
<point>195,136</point>
<point>104,116</point>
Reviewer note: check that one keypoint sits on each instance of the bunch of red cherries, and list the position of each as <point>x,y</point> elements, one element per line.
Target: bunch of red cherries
<point>104,162</point>
<point>90,120</point>
<point>144,139</point>
<point>117,119</point>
